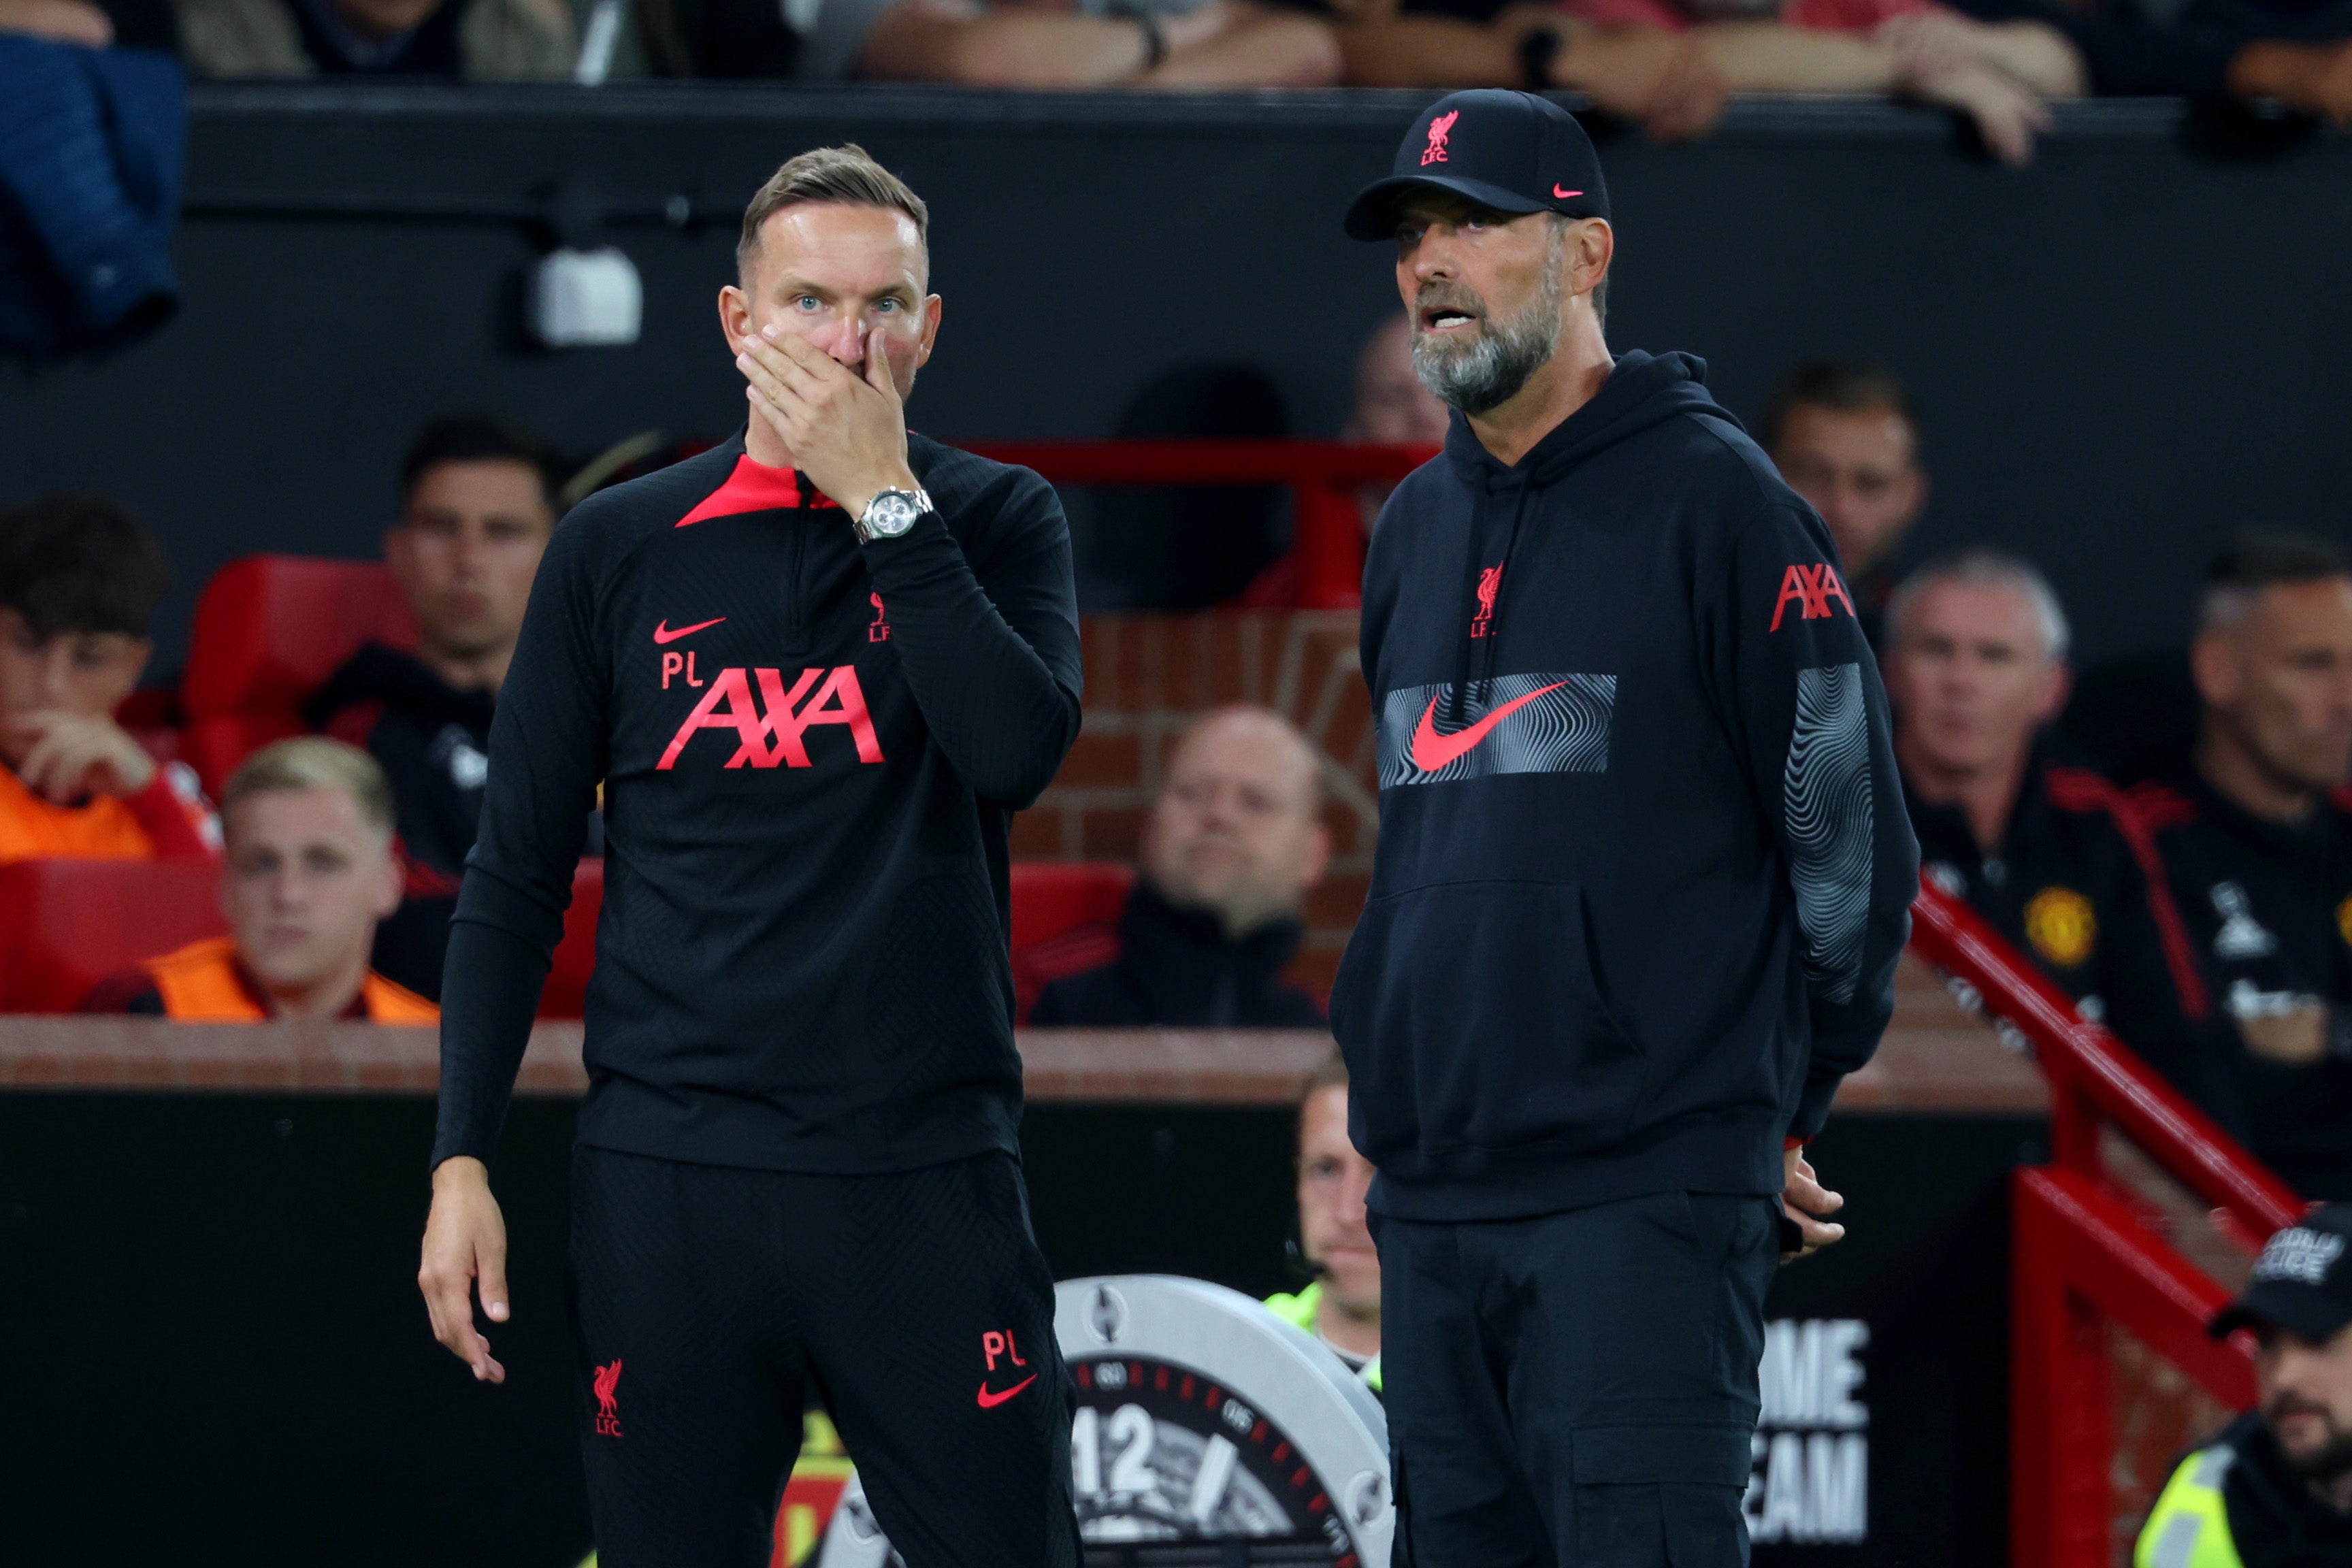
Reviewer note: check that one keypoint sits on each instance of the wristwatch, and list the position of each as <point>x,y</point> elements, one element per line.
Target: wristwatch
<point>891,513</point>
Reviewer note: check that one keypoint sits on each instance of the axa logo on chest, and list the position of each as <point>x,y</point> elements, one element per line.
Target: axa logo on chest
<point>771,728</point>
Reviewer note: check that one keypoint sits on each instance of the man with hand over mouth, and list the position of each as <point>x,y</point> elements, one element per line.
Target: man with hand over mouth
<point>815,670</point>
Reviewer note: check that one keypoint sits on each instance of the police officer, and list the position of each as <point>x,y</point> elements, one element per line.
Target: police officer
<point>2259,841</point>
<point>1643,878</point>
<point>1342,1306</point>
<point>2053,857</point>
<point>2274,1490</point>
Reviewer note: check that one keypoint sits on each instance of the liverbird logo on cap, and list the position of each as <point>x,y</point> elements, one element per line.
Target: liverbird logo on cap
<point>1438,128</point>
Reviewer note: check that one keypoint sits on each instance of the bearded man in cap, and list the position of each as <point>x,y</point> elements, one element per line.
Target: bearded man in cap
<point>2274,1490</point>
<point>1643,878</point>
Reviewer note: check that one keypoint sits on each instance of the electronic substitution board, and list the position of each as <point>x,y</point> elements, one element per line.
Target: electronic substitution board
<point>1208,1432</point>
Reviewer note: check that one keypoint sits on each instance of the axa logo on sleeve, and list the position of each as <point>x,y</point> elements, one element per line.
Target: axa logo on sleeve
<point>772,728</point>
<point>1810,589</point>
<point>1510,725</point>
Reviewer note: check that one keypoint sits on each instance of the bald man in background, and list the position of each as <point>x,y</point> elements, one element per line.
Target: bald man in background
<point>1234,841</point>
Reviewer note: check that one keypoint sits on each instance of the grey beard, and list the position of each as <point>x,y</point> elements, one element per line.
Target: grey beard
<point>1490,371</point>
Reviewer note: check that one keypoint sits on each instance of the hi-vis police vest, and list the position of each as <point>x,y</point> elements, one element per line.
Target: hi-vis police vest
<point>1300,1312</point>
<point>199,984</point>
<point>2190,1528</point>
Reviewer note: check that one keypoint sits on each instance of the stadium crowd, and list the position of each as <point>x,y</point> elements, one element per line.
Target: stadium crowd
<point>1669,65</point>
<point>2196,897</point>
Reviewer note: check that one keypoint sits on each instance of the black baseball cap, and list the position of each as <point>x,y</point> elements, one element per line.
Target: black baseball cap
<point>2302,1282</point>
<point>1513,152</point>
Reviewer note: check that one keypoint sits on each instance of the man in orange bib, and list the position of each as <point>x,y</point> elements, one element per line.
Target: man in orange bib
<point>79,580</point>
<point>310,871</point>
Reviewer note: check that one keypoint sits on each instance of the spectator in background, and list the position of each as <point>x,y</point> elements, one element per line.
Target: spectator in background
<point>2258,833</point>
<point>480,41</point>
<point>1846,438</point>
<point>1234,840</point>
<point>1211,43</point>
<point>477,510</point>
<point>2274,1490</point>
<point>1342,1306</point>
<point>1670,64</point>
<point>1391,408</point>
<point>310,870</point>
<point>80,581</point>
<point>2291,53</point>
<point>2052,857</point>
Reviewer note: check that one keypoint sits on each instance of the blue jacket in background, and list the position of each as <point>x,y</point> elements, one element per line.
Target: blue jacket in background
<point>92,145</point>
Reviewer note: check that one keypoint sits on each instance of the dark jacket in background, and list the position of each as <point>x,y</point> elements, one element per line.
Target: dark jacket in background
<point>1177,969</point>
<point>434,741</point>
<point>2269,906</point>
<point>1643,870</point>
<point>91,143</point>
<point>2076,885</point>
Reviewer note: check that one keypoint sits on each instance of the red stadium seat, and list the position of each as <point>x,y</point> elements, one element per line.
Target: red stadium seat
<point>1064,920</point>
<point>269,629</point>
<point>566,992</point>
<point>65,925</point>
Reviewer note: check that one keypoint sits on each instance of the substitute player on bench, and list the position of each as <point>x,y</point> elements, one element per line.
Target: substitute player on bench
<point>816,669</point>
<point>1642,878</point>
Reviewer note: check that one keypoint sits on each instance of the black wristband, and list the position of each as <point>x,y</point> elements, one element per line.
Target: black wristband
<point>1537,52</point>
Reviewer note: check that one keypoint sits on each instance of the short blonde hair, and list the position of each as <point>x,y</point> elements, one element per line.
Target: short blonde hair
<point>315,762</point>
<point>846,174</point>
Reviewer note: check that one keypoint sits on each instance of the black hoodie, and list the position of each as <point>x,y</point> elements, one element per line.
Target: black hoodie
<point>1643,870</point>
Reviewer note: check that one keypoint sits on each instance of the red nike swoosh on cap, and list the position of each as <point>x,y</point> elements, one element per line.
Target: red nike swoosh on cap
<point>989,1401</point>
<point>662,633</point>
<point>1559,196</point>
<point>1432,751</point>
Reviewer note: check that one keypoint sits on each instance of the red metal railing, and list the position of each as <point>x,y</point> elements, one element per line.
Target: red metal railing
<point>2084,1254</point>
<point>1327,543</point>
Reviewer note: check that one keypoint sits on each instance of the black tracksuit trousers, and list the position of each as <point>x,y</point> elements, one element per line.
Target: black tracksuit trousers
<point>708,1299</point>
<point>1577,1390</point>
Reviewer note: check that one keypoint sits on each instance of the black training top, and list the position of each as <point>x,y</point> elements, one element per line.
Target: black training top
<point>2269,908</point>
<point>809,750</point>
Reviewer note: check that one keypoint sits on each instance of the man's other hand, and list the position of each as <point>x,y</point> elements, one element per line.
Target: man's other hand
<point>60,21</point>
<point>1807,1202</point>
<point>2295,1038</point>
<point>77,755</point>
<point>845,425</point>
<point>464,1240</point>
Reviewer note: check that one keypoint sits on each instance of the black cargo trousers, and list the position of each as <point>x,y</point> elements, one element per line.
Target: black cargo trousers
<point>1580,1388</point>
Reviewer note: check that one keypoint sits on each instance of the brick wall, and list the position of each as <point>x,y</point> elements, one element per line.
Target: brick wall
<point>1147,676</point>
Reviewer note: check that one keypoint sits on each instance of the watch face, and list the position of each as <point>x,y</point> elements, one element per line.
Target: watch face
<point>1159,1452</point>
<point>892,514</point>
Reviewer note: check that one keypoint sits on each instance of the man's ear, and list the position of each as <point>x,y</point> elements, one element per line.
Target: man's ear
<point>734,317</point>
<point>1319,855</point>
<point>2061,686</point>
<point>2213,666</point>
<point>1589,251</point>
<point>932,305</point>
<point>394,881</point>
